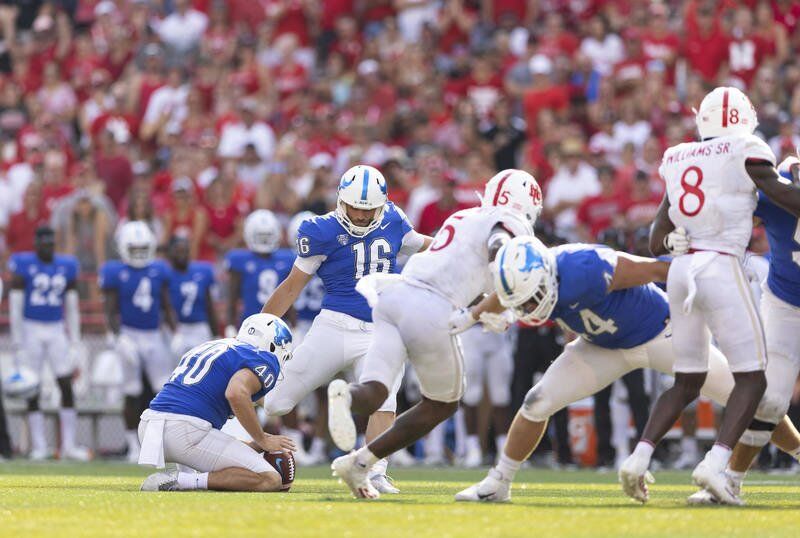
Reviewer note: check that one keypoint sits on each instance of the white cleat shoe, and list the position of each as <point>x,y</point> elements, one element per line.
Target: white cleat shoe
<point>383,484</point>
<point>717,482</point>
<point>473,459</point>
<point>492,489</point>
<point>340,419</point>
<point>634,477</point>
<point>133,455</point>
<point>39,454</point>
<point>685,461</point>
<point>76,453</point>
<point>355,476</point>
<point>161,482</point>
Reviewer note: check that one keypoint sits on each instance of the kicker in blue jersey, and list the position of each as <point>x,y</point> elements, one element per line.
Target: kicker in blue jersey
<point>345,258</point>
<point>45,283</point>
<point>784,272</point>
<point>139,291</point>
<point>197,386</point>
<point>619,319</point>
<point>260,275</point>
<point>188,291</point>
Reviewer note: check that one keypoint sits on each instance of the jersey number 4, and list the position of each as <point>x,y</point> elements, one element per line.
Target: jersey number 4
<point>692,200</point>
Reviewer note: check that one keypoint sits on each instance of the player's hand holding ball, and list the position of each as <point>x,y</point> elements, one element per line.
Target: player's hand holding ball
<point>677,241</point>
<point>276,443</point>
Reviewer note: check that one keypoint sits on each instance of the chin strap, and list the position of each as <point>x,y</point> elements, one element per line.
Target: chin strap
<point>72,316</point>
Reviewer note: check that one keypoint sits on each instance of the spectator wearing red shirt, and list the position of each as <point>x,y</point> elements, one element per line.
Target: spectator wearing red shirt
<point>642,204</point>
<point>598,212</point>
<point>348,41</point>
<point>555,40</point>
<point>787,13</point>
<point>184,218</point>
<point>224,221</point>
<point>113,165</point>
<point>455,24</point>
<point>290,17</point>
<point>510,13</point>
<point>658,42</point>
<point>435,213</point>
<point>483,86</point>
<point>746,50</point>
<point>543,94</point>
<point>22,225</point>
<point>706,50</point>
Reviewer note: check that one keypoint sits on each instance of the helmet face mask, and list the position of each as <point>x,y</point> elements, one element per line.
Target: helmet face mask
<point>262,232</point>
<point>361,187</point>
<point>136,244</point>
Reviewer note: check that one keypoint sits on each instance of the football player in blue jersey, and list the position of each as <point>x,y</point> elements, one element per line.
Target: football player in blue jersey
<point>45,321</point>
<point>212,382</point>
<point>606,297</point>
<point>254,273</point>
<point>780,312</point>
<point>363,235</point>
<point>190,287</point>
<point>136,299</point>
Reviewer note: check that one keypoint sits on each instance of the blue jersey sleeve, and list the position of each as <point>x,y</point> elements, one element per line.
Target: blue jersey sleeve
<point>405,224</point>
<point>107,277</point>
<point>587,273</point>
<point>235,260</point>
<point>312,239</point>
<point>265,366</point>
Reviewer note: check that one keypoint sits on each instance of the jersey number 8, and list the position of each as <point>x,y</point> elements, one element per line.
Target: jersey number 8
<point>692,192</point>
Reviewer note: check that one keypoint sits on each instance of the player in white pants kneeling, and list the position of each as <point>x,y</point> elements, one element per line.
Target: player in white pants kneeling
<point>213,381</point>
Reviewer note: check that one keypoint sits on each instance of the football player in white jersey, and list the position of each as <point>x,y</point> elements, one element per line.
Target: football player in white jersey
<point>705,221</point>
<point>414,315</point>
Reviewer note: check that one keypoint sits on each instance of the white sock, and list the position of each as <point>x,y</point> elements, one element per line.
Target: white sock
<point>473,443</point>
<point>644,450</point>
<point>507,467</point>
<point>36,426</point>
<point>318,445</point>
<point>736,476</point>
<point>132,438</point>
<point>720,454</point>
<point>379,468</point>
<point>689,446</point>
<point>365,458</point>
<point>500,442</point>
<point>189,481</point>
<point>67,419</point>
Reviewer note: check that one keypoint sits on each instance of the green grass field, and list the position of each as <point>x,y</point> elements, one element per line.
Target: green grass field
<point>102,499</point>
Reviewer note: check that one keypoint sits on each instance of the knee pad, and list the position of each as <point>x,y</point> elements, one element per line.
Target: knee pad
<point>277,407</point>
<point>772,407</point>
<point>757,433</point>
<point>537,406</point>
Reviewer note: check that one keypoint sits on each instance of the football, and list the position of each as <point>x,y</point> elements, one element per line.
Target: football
<point>283,462</point>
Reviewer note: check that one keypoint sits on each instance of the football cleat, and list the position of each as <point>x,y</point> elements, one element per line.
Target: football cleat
<point>702,497</point>
<point>340,419</point>
<point>161,482</point>
<point>384,484</point>
<point>76,453</point>
<point>492,489</point>
<point>717,482</point>
<point>355,476</point>
<point>38,454</point>
<point>634,477</point>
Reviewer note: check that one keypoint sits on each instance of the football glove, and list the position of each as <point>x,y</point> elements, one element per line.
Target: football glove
<point>785,168</point>
<point>460,320</point>
<point>677,241</point>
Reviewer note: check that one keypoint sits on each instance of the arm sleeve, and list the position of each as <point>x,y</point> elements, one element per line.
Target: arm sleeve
<point>310,264</point>
<point>106,278</point>
<point>412,242</point>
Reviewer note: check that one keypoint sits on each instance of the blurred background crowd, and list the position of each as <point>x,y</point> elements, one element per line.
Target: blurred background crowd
<point>189,114</point>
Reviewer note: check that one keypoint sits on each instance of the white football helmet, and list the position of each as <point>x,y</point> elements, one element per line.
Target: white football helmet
<point>725,111</point>
<point>262,231</point>
<point>23,384</point>
<point>294,225</point>
<point>267,333</point>
<point>361,187</point>
<point>517,190</point>
<point>526,279</point>
<point>136,244</point>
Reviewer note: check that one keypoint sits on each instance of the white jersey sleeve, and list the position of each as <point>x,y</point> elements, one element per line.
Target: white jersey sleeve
<point>752,147</point>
